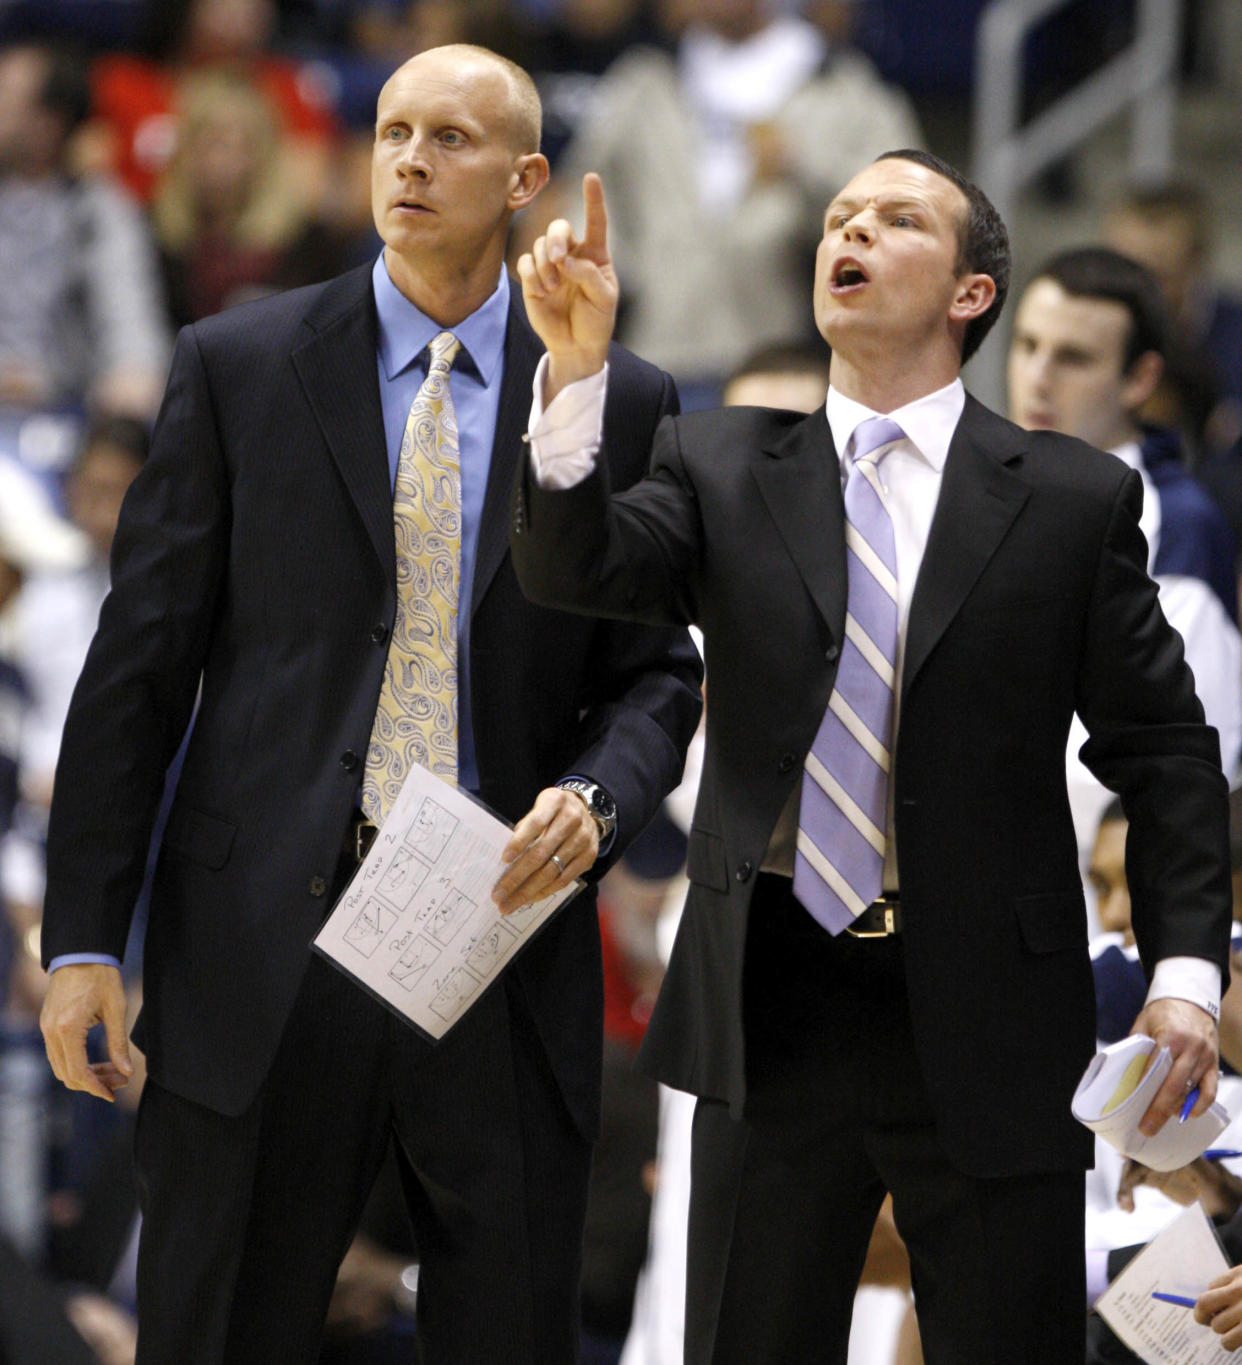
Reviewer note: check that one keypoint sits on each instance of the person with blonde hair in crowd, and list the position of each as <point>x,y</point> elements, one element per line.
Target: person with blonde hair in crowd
<point>228,219</point>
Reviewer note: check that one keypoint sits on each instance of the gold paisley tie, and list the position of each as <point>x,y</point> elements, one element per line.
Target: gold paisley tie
<point>416,720</point>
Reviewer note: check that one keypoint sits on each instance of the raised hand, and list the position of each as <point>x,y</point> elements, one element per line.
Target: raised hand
<point>570,288</point>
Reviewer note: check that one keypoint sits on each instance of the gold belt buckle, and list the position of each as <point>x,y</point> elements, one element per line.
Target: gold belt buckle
<point>364,836</point>
<point>890,920</point>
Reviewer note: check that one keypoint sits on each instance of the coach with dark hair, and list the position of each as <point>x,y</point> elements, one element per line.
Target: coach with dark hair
<point>881,980</point>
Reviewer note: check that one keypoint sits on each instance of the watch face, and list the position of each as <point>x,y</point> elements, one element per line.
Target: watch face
<point>603,804</point>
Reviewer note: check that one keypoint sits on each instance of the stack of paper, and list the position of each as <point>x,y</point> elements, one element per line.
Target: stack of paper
<point>1115,1092</point>
<point>1183,1259</point>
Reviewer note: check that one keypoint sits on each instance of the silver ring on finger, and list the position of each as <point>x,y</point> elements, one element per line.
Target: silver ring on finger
<point>560,866</point>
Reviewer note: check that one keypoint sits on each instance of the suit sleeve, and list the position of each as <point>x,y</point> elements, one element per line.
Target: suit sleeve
<point>1148,743</point>
<point>632,555</point>
<point>642,696</point>
<point>136,693</point>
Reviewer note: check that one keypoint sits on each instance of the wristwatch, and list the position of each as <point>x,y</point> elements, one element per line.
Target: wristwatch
<point>602,807</point>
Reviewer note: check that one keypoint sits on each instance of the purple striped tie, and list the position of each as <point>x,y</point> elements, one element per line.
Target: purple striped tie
<point>839,864</point>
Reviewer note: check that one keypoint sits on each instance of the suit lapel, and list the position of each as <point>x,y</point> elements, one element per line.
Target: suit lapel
<point>979,500</point>
<point>522,352</point>
<point>801,486</point>
<point>338,370</point>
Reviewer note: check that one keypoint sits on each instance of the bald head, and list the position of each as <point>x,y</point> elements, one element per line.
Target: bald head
<point>458,63</point>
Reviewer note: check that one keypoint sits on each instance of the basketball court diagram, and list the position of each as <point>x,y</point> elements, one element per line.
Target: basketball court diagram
<point>431,829</point>
<point>369,927</point>
<point>454,994</point>
<point>490,948</point>
<point>403,876</point>
<point>410,967</point>
<point>448,917</point>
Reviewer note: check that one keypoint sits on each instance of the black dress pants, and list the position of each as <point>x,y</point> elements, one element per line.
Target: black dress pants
<point>783,1202</point>
<point>246,1219</point>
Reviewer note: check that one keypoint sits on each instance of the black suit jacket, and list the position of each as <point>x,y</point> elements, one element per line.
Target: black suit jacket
<point>1032,602</point>
<point>254,567</point>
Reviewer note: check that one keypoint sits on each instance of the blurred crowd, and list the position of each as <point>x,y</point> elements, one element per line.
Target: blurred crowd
<point>163,159</point>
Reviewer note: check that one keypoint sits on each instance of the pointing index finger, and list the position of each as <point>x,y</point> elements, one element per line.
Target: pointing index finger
<point>595,235</point>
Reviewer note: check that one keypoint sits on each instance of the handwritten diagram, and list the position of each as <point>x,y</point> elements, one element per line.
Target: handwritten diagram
<point>490,949</point>
<point>369,926</point>
<point>432,829</point>
<point>403,876</point>
<point>417,925</point>
<point>413,963</point>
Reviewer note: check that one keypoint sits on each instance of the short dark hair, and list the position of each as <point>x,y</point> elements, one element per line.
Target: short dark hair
<point>1168,199</point>
<point>129,434</point>
<point>1099,272</point>
<point>66,89</point>
<point>983,241</point>
<point>784,357</point>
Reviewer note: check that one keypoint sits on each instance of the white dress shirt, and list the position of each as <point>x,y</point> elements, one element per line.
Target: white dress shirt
<point>566,438</point>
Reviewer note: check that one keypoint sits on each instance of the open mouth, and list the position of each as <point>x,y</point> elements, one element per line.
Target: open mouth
<point>848,274</point>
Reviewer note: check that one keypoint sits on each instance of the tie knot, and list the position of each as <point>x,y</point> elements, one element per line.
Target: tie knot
<point>875,432</point>
<point>444,348</point>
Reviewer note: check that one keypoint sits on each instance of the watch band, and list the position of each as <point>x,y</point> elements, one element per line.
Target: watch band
<point>599,803</point>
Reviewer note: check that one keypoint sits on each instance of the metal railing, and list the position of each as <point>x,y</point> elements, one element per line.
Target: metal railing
<point>1006,155</point>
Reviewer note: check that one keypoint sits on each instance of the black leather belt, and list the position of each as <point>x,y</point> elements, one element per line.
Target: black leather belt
<point>359,836</point>
<point>881,919</point>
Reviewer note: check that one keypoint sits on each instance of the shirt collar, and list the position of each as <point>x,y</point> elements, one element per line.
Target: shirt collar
<point>1129,452</point>
<point>405,331</point>
<point>929,422</point>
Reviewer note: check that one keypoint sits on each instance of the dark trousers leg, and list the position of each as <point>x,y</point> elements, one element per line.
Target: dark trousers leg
<point>497,1180</point>
<point>245,1220</point>
<point>997,1265</point>
<point>782,1203</point>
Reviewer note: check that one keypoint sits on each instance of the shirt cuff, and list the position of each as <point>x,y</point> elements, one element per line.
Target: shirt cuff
<point>565,439</point>
<point>1187,978</point>
<point>72,959</point>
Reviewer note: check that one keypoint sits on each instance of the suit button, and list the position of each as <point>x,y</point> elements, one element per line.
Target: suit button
<point>743,871</point>
<point>833,654</point>
<point>787,762</point>
<point>349,760</point>
<point>379,633</point>
<point>318,886</point>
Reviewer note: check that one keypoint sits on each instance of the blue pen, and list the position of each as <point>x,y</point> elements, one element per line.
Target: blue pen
<point>1191,1100</point>
<point>1180,1299</point>
<point>1220,1154</point>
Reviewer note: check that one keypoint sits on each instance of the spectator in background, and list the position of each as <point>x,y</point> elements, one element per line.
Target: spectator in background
<point>134,131</point>
<point>80,313</point>
<point>34,1326</point>
<point>1085,354</point>
<point>228,220</point>
<point>580,42</point>
<point>719,159</point>
<point>59,608</point>
<point>1166,226</point>
<point>792,375</point>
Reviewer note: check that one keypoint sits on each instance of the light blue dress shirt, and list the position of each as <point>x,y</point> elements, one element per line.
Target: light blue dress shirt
<point>405,333</point>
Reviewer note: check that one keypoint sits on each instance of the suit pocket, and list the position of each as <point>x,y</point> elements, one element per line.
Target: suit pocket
<point>1052,920</point>
<point>705,860</point>
<point>201,837</point>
